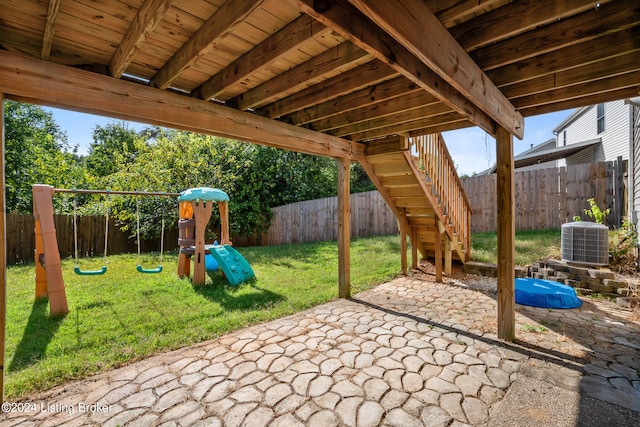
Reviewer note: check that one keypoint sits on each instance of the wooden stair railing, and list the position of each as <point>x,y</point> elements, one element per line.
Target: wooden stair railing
<point>417,178</point>
<point>441,175</point>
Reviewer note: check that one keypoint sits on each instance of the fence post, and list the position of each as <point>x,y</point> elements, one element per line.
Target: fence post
<point>618,172</point>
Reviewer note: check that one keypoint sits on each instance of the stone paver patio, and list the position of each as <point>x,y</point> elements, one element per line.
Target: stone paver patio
<point>410,352</point>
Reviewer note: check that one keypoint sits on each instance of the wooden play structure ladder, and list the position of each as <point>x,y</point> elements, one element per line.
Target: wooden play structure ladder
<point>418,180</point>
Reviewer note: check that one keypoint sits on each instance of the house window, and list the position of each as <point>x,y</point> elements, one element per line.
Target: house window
<point>600,118</point>
<point>564,137</point>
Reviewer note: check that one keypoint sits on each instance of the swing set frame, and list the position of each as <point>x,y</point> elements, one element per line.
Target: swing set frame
<point>49,280</point>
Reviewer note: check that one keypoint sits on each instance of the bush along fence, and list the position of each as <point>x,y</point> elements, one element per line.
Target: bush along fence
<point>547,198</point>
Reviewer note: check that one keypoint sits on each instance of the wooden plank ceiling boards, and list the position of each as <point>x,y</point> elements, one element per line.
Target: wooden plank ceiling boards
<point>358,70</point>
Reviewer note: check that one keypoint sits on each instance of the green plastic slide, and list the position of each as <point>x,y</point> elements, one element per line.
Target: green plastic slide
<point>235,267</point>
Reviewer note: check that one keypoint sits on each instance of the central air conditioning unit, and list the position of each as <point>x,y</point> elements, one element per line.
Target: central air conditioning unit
<point>585,243</point>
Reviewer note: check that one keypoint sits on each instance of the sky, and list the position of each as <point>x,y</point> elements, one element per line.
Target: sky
<point>471,149</point>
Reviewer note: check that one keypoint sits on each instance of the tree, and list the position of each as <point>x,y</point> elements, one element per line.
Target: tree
<point>255,177</point>
<point>36,152</point>
<point>360,181</point>
<point>113,145</point>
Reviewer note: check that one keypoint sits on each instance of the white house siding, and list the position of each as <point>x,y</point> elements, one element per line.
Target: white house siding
<point>588,155</point>
<point>547,145</point>
<point>615,138</point>
<point>636,160</point>
<point>545,165</point>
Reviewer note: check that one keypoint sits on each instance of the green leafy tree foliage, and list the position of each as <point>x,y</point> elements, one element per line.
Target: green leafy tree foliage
<point>255,177</point>
<point>36,152</point>
<point>360,181</point>
<point>113,145</point>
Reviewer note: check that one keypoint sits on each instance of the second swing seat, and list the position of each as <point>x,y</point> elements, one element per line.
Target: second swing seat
<point>140,269</point>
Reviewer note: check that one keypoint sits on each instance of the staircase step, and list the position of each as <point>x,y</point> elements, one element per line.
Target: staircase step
<point>409,191</point>
<point>386,158</point>
<point>421,212</point>
<point>393,168</point>
<point>398,181</point>
<point>420,221</point>
<point>412,202</point>
<point>394,173</point>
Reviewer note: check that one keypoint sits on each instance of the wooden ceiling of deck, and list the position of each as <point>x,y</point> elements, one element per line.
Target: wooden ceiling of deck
<point>359,69</point>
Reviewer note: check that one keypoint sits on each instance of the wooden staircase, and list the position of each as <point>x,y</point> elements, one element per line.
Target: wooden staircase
<point>418,180</point>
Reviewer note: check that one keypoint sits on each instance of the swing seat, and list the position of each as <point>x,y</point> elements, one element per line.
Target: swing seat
<point>90,272</point>
<point>149,270</point>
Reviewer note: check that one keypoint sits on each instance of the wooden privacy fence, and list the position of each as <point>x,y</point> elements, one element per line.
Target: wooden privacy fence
<point>547,198</point>
<point>21,238</point>
<point>316,220</point>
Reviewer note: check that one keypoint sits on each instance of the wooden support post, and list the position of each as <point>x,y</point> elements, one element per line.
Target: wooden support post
<point>448,254</point>
<point>414,248</point>
<point>184,260</point>
<point>41,273</point>
<point>402,222</point>
<point>344,228</point>
<point>202,212</point>
<point>54,283</point>
<point>438,251</point>
<point>506,235</point>
<point>3,252</point>
<point>225,237</point>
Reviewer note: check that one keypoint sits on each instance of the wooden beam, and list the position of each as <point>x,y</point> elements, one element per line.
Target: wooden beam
<point>506,235</point>
<point>590,99</point>
<point>403,226</point>
<point>593,72</point>
<point>419,31</point>
<point>451,12</point>
<point>598,49</point>
<point>560,34</point>
<point>408,126</point>
<point>368,168</point>
<point>344,229</point>
<point>389,89</point>
<point>49,29</point>
<point>516,18</point>
<point>231,13</point>
<point>357,78</point>
<point>353,25</point>
<point>442,127</point>
<point>440,218</point>
<point>146,20</point>
<point>36,81</point>
<point>3,251</point>
<point>438,250</point>
<point>577,91</point>
<point>386,118</point>
<point>417,104</point>
<point>43,214</point>
<point>448,252</point>
<point>328,62</point>
<point>414,247</point>
<point>290,37</point>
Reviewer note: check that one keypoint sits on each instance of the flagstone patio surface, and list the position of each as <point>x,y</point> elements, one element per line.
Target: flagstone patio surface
<point>410,352</point>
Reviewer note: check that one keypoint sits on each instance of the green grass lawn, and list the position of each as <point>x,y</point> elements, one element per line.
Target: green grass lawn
<point>530,246</point>
<point>123,315</point>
